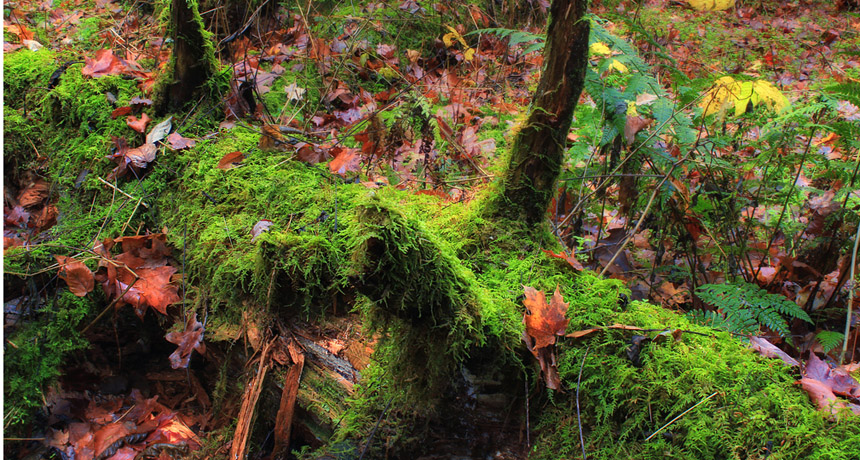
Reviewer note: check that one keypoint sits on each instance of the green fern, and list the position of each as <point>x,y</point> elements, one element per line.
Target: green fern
<point>745,304</point>
<point>515,37</point>
<point>850,91</point>
<point>829,340</point>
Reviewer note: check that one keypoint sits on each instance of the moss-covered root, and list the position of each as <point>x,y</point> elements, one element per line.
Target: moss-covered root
<point>418,287</point>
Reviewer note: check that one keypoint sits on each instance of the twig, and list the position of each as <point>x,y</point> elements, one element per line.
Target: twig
<point>679,416</point>
<point>373,432</point>
<point>645,213</point>
<point>850,297</point>
<point>125,225</point>
<point>121,191</point>
<point>578,416</point>
<point>110,305</point>
<point>528,429</point>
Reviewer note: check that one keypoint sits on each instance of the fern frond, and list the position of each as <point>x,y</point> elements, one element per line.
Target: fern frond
<point>829,339</point>
<point>849,90</point>
<point>746,305</point>
<point>515,37</point>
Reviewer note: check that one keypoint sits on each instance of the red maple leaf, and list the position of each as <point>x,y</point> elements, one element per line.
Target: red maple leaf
<point>543,322</point>
<point>105,63</point>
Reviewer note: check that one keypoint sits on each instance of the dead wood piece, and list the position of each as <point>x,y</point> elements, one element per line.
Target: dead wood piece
<point>239,448</point>
<point>284,420</point>
<point>329,360</point>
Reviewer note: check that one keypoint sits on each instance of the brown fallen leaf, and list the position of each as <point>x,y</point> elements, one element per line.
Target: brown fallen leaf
<point>770,350</point>
<point>823,384</point>
<point>79,278</point>
<point>138,124</point>
<point>141,156</point>
<point>633,126</point>
<point>544,321</point>
<point>345,160</point>
<point>120,112</point>
<point>34,194</point>
<point>570,259</point>
<point>230,160</point>
<point>312,154</point>
<point>104,63</point>
<point>177,142</point>
<point>271,138</point>
<point>189,340</point>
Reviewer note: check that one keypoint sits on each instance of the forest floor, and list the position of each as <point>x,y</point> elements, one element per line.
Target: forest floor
<point>711,148</point>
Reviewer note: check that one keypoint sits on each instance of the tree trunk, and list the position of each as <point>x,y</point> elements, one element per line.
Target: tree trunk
<point>538,149</point>
<point>193,54</point>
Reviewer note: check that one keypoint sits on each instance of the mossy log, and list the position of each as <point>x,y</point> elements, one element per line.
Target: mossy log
<point>437,285</point>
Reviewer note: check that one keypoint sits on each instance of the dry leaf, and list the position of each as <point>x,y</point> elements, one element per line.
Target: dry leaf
<point>231,160</point>
<point>79,278</point>
<point>138,124</point>
<point>177,142</point>
<point>189,340</point>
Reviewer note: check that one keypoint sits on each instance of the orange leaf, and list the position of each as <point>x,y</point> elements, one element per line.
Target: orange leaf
<point>105,63</point>
<point>79,278</point>
<point>345,160</point>
<point>20,31</point>
<point>570,259</point>
<point>230,160</point>
<point>544,321</point>
<point>136,124</point>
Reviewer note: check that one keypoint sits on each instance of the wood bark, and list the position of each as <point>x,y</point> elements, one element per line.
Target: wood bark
<point>193,55</point>
<point>538,149</point>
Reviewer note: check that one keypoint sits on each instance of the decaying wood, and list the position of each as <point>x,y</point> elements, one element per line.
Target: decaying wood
<point>239,448</point>
<point>284,420</point>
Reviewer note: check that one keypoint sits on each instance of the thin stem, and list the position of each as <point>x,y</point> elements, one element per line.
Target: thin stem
<point>850,296</point>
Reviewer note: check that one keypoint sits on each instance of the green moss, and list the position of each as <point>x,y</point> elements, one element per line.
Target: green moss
<point>34,353</point>
<point>756,403</point>
<point>26,73</point>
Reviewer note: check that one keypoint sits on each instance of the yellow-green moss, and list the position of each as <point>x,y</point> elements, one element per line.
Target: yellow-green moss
<point>756,406</point>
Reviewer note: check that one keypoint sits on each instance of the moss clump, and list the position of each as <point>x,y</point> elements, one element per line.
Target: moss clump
<point>26,72</point>
<point>34,352</point>
<point>756,410</point>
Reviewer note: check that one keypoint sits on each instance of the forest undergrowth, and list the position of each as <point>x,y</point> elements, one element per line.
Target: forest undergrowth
<point>309,230</point>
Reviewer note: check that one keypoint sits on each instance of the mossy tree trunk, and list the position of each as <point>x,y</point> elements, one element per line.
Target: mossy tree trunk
<point>193,54</point>
<point>538,149</point>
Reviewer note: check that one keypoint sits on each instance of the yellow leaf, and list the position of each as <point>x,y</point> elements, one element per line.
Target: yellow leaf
<point>721,96</point>
<point>449,39</point>
<point>631,109</point>
<point>454,35</point>
<point>728,92</point>
<point>770,95</point>
<point>617,65</point>
<point>744,96</point>
<point>469,54</point>
<point>599,48</point>
<point>711,5</point>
